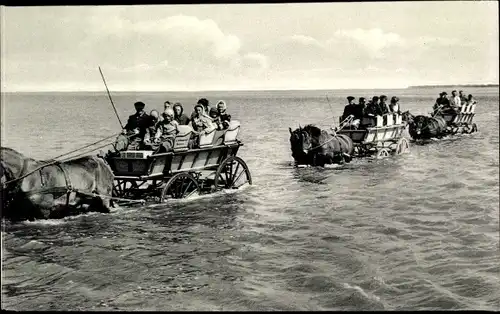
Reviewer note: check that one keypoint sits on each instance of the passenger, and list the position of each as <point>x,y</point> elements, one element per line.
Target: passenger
<point>463,98</point>
<point>200,122</point>
<point>441,103</point>
<point>471,100</point>
<point>151,130</point>
<point>206,107</point>
<point>134,131</point>
<point>383,107</point>
<point>455,102</point>
<point>372,107</point>
<point>349,109</point>
<point>167,104</point>
<point>166,132</point>
<point>179,116</point>
<point>394,106</point>
<point>223,118</point>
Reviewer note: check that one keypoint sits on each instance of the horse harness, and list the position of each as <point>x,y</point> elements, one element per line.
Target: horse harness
<point>67,189</point>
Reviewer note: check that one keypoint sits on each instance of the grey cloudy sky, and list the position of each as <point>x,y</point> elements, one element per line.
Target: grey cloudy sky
<point>250,46</point>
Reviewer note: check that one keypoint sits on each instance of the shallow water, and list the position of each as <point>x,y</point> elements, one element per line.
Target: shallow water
<point>414,232</point>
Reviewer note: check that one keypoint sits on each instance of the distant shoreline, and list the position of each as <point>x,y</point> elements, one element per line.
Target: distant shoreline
<point>261,90</point>
<point>454,86</point>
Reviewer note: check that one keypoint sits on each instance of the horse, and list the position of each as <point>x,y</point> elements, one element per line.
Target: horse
<point>312,146</point>
<point>407,117</point>
<point>424,127</point>
<point>37,189</point>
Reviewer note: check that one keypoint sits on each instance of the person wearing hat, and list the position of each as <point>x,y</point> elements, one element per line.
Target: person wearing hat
<point>441,102</point>
<point>349,109</point>
<point>134,131</point>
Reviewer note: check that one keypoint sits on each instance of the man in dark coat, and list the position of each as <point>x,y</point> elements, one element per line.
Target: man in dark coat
<point>135,129</point>
<point>359,110</point>
<point>372,107</point>
<point>349,109</point>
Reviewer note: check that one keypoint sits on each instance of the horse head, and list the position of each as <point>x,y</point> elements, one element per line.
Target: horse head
<point>407,117</point>
<point>419,124</point>
<point>12,164</point>
<point>300,142</point>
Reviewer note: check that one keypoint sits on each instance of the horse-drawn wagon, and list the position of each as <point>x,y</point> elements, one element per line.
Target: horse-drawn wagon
<point>459,121</point>
<point>183,172</point>
<point>378,135</point>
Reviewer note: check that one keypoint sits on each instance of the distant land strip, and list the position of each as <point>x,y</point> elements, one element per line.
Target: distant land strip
<point>457,85</point>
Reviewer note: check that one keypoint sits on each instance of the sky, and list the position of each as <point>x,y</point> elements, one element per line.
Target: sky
<point>249,46</point>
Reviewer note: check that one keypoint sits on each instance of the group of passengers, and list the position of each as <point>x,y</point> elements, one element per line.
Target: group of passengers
<point>157,132</point>
<point>453,104</point>
<point>377,106</point>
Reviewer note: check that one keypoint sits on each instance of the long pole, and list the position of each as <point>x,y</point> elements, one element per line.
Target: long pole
<point>110,99</point>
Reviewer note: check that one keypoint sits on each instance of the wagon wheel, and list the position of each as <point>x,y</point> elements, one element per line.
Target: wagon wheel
<point>403,146</point>
<point>181,185</point>
<point>383,153</point>
<point>232,173</point>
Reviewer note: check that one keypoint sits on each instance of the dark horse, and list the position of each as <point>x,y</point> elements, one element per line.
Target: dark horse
<point>424,127</point>
<point>34,189</point>
<point>312,146</point>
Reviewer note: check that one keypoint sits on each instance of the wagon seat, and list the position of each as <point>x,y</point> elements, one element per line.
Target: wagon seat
<point>221,137</point>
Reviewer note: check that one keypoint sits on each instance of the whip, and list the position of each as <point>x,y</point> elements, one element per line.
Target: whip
<point>110,99</point>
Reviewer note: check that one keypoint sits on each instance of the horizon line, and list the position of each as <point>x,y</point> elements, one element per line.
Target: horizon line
<point>247,90</point>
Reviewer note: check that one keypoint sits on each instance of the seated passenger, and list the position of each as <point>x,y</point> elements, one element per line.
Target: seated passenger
<point>441,102</point>
<point>205,104</point>
<point>151,130</point>
<point>165,133</point>
<point>349,109</point>
<point>371,108</point>
<point>394,105</point>
<point>470,100</point>
<point>134,131</point>
<point>221,119</point>
<point>200,122</point>
<point>383,107</point>
<point>462,96</point>
<point>179,116</point>
<point>359,110</point>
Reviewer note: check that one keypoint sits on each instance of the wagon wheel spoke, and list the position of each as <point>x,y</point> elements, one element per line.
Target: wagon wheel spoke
<point>236,180</point>
<point>233,174</point>
<point>181,185</point>
<point>186,189</point>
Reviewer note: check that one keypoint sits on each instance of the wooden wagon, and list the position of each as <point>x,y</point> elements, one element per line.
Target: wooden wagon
<point>379,135</point>
<point>461,122</point>
<point>183,172</point>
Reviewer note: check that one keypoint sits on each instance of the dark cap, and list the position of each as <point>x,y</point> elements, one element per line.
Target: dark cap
<point>383,97</point>
<point>361,99</point>
<point>443,93</point>
<point>375,98</point>
<point>350,98</point>
<point>139,104</point>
